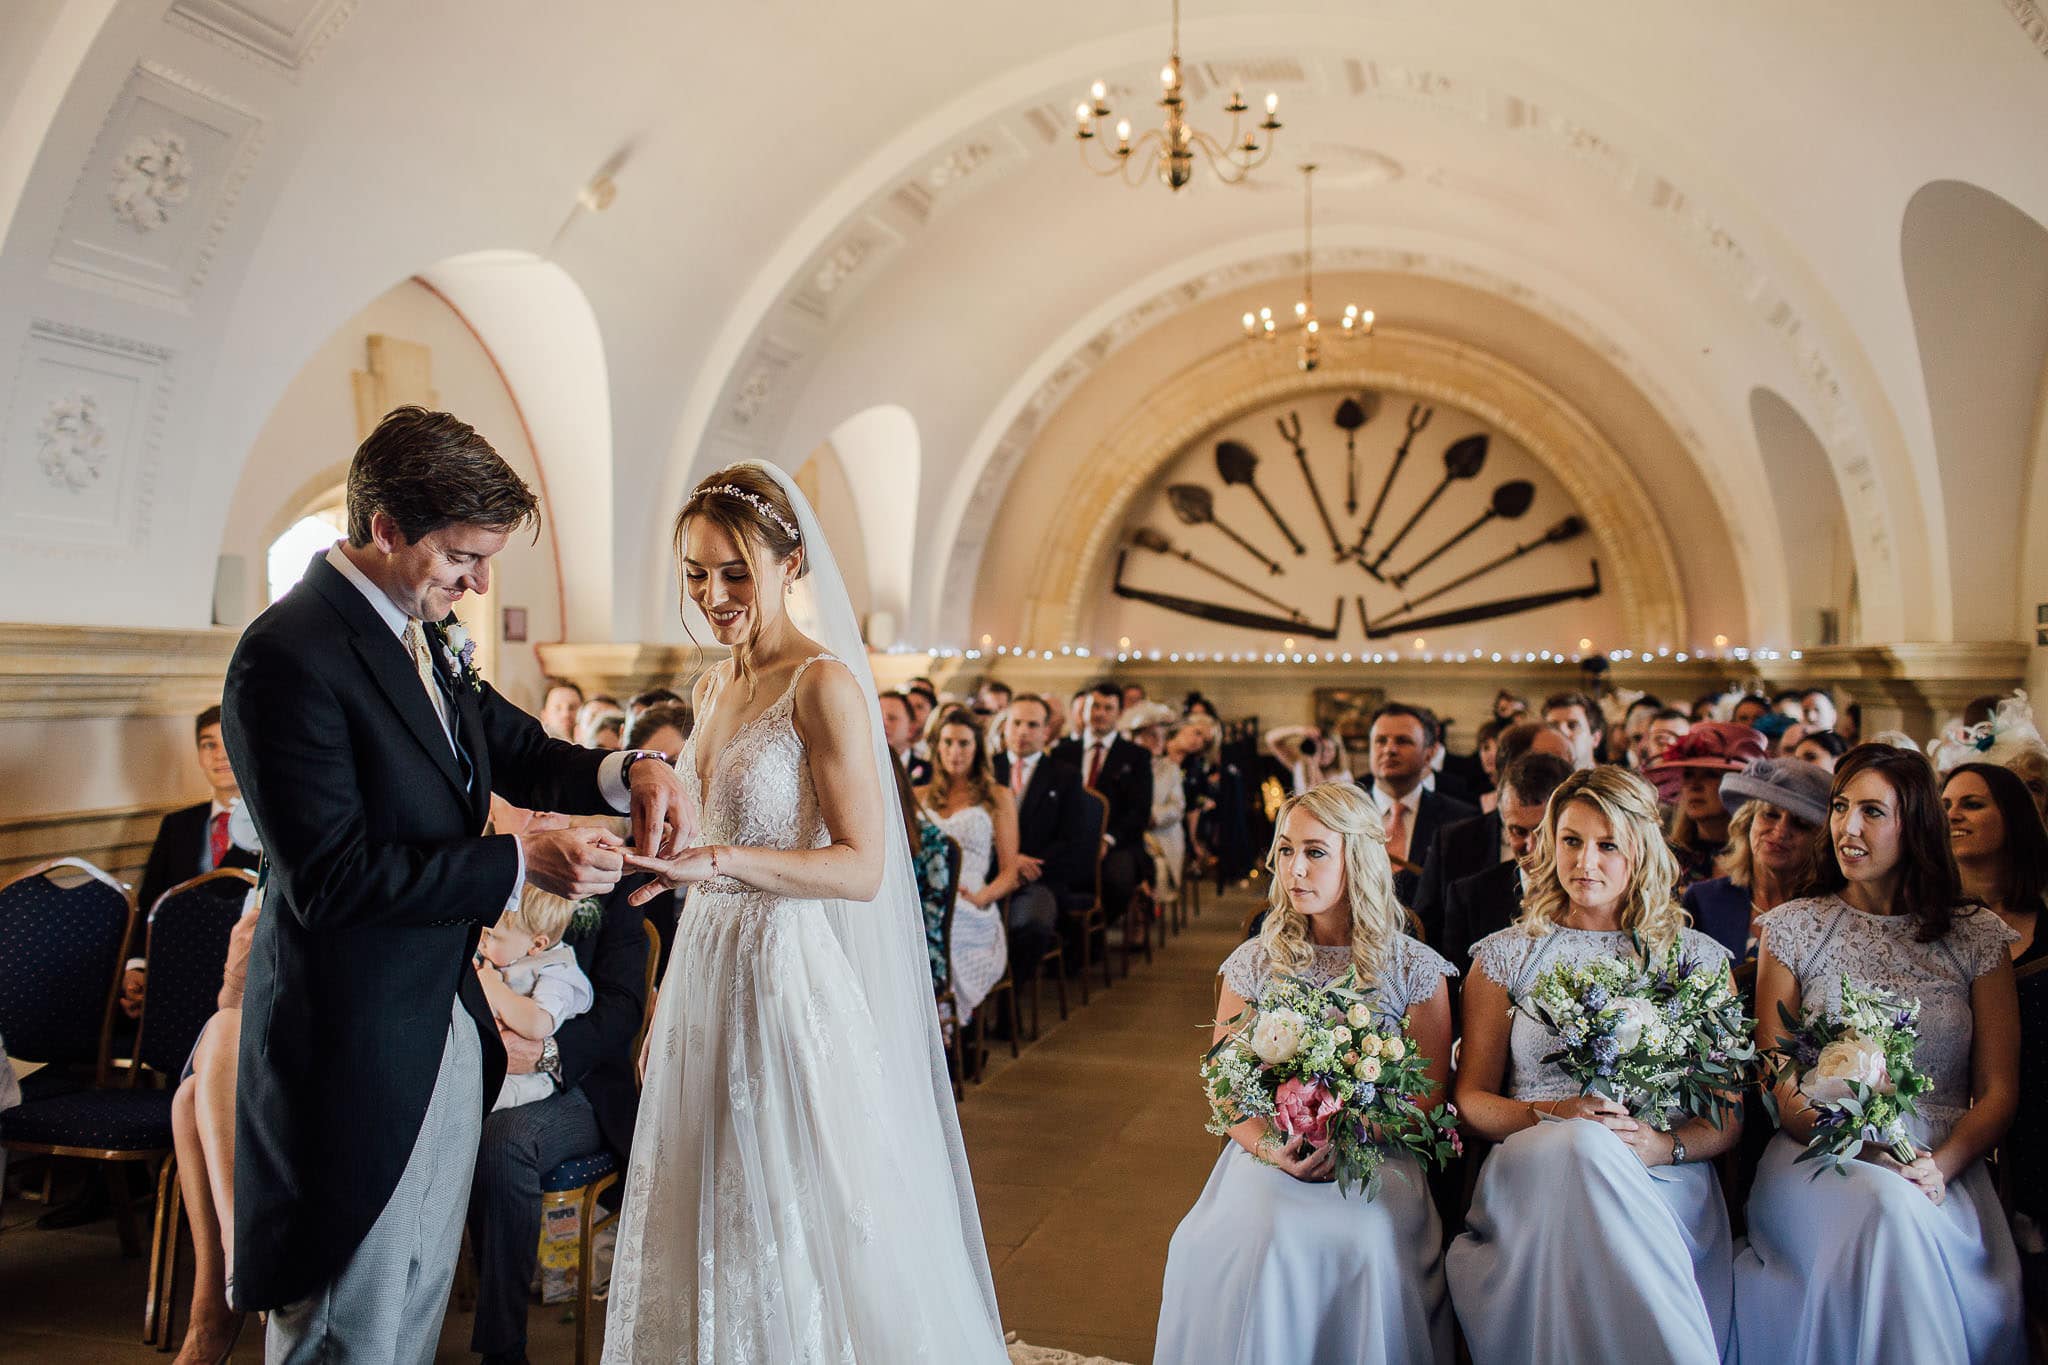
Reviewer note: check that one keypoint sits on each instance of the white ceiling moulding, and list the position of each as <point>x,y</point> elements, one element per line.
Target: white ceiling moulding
<point>154,197</point>
<point>84,435</point>
<point>284,35</point>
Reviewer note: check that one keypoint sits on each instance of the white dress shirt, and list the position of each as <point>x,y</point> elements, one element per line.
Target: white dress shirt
<point>611,782</point>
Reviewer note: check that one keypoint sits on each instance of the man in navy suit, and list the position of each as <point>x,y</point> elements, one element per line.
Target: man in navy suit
<point>1403,738</point>
<point>1120,772</point>
<point>1055,834</point>
<point>368,748</point>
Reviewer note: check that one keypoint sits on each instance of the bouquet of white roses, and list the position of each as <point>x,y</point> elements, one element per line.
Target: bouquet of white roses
<point>1318,1063</point>
<point>1664,1037</point>
<point>1855,1067</point>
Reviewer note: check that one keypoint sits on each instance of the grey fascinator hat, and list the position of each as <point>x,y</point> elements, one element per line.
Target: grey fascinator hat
<point>1790,784</point>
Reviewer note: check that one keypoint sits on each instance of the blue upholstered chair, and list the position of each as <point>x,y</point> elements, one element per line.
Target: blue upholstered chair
<point>62,924</point>
<point>188,946</point>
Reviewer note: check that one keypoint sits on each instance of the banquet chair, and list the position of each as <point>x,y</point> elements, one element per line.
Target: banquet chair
<point>1092,922</point>
<point>187,949</point>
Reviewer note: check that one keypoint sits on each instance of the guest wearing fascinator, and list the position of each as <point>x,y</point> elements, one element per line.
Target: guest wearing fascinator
<point>2007,737</point>
<point>1776,808</point>
<point>1689,774</point>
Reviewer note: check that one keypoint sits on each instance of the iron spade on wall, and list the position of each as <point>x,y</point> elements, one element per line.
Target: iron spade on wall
<point>1193,505</point>
<point>1238,465</point>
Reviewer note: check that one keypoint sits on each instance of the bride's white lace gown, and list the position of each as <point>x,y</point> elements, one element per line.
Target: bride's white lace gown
<point>766,1218</point>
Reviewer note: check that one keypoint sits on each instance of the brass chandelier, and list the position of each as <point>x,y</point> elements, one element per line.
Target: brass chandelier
<point>1308,347</point>
<point>1171,147</point>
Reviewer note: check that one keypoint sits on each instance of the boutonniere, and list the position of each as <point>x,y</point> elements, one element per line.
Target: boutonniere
<point>461,649</point>
<point>588,916</point>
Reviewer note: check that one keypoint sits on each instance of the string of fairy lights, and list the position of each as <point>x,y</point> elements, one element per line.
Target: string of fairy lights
<point>1288,655</point>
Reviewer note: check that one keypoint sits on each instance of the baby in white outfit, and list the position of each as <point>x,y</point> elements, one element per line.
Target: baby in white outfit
<point>532,980</point>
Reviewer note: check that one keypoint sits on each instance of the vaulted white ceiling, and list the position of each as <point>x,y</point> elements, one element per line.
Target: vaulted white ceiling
<point>822,209</point>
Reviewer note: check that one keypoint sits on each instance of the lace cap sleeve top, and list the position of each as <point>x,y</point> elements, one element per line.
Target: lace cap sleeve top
<point>1408,977</point>
<point>1823,939</point>
<point>1515,959</point>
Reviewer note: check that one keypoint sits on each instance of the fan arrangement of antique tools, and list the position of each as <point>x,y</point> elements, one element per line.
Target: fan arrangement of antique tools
<point>1464,459</point>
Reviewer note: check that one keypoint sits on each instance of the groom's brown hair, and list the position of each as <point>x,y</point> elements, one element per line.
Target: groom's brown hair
<point>426,470</point>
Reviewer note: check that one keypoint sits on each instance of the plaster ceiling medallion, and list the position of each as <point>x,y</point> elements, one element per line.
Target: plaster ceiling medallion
<point>84,434</point>
<point>156,193</point>
<point>73,440</point>
<point>1171,148</point>
<point>285,34</point>
<point>1343,166</point>
<point>1307,328</point>
<point>152,176</point>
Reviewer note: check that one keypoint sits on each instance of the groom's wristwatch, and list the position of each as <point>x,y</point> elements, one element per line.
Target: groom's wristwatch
<point>1677,1146</point>
<point>634,756</point>
<point>550,1063</point>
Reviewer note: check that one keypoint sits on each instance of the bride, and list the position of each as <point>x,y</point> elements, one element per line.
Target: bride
<point>797,1191</point>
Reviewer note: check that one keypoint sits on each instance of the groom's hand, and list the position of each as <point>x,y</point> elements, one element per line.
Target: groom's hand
<point>660,824</point>
<point>573,862</point>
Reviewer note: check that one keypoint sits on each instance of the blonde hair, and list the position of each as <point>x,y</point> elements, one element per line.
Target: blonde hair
<point>1630,805</point>
<point>540,913</point>
<point>1376,917</point>
<point>746,503</point>
<point>1736,862</point>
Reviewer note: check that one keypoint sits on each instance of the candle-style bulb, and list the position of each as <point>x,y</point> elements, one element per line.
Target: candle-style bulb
<point>1272,102</point>
<point>1098,90</point>
<point>1123,130</point>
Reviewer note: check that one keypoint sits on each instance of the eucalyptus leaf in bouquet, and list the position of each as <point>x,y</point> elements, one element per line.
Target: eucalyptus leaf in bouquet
<point>1664,1035</point>
<point>1854,1065</point>
<point>1321,1064</point>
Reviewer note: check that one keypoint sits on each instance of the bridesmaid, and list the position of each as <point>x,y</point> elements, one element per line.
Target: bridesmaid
<point>1273,1266</point>
<point>1592,1236</point>
<point>1894,1264</point>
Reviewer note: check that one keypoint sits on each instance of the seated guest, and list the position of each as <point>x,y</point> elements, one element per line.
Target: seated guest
<point>899,731</point>
<point>1510,706</point>
<point>1748,709</point>
<point>1197,704</point>
<point>1822,748</point>
<point>928,856</point>
<point>664,728</point>
<point>1055,836</point>
<point>1133,694</point>
<point>1635,726</point>
<point>923,699</point>
<point>600,725</point>
<point>1309,756</point>
<point>1121,773</point>
<point>1485,902</point>
<point>2004,733</point>
<point>1691,771</point>
<point>653,696</point>
<point>1665,729</point>
<point>203,1135</point>
<point>1593,1235</point>
<point>1486,749</point>
<point>992,698</point>
<point>1789,703</point>
<point>1577,718</point>
<point>1148,725</point>
<point>1402,737</point>
<point>588,1069</point>
<point>1886,1260</point>
<point>1273,1263</point>
<point>1468,847</point>
<point>560,701</point>
<point>1817,709</point>
<point>1778,806</point>
<point>980,815</point>
<point>188,842</point>
<point>1774,726</point>
<point>1704,707</point>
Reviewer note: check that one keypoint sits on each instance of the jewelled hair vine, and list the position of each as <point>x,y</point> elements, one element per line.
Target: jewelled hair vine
<point>757,502</point>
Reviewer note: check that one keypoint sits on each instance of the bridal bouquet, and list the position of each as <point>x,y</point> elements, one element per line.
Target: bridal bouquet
<point>1664,1037</point>
<point>1855,1067</point>
<point>1315,1061</point>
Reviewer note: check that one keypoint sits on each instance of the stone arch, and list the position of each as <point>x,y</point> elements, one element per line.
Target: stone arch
<point>1811,525</point>
<point>880,448</point>
<point>1634,544</point>
<point>1976,276</point>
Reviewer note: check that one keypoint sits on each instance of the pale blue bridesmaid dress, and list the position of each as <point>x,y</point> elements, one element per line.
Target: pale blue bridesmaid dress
<point>1270,1270</point>
<point>1574,1250</point>
<point>1862,1268</point>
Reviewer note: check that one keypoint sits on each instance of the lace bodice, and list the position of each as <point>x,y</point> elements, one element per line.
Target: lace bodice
<point>1408,977</point>
<point>759,794</point>
<point>1822,939</point>
<point>975,831</point>
<point>1514,959</point>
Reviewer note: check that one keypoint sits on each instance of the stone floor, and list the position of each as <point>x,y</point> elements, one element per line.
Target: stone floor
<point>1086,1152</point>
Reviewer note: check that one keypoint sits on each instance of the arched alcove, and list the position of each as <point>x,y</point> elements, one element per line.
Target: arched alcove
<point>1811,526</point>
<point>1976,272</point>
<point>884,464</point>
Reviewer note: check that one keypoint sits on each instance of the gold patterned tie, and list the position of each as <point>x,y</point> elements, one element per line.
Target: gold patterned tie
<point>422,662</point>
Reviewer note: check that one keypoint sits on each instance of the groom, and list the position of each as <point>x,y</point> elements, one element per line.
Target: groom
<point>368,750</point>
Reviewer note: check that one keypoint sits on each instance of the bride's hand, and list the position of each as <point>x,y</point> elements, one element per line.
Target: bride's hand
<point>687,868</point>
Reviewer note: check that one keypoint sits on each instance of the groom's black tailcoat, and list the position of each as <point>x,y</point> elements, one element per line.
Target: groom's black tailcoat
<point>378,884</point>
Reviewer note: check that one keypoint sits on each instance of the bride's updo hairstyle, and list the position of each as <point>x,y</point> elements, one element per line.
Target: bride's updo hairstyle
<point>1630,807</point>
<point>1376,917</point>
<point>746,503</point>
